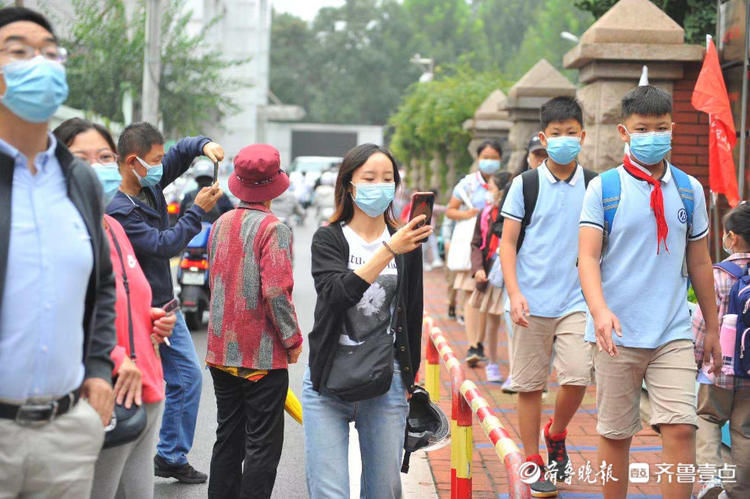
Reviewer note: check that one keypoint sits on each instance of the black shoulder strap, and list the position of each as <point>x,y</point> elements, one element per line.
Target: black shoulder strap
<point>126,285</point>
<point>7,165</point>
<point>588,176</point>
<point>530,183</point>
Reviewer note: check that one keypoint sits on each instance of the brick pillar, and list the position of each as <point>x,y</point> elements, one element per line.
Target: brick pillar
<point>610,57</point>
<point>491,121</point>
<point>541,83</point>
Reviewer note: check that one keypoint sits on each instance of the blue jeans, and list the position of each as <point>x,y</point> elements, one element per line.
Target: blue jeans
<point>182,373</point>
<point>381,424</point>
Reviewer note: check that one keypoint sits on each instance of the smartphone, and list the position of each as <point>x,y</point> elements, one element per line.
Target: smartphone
<point>421,204</point>
<point>171,306</point>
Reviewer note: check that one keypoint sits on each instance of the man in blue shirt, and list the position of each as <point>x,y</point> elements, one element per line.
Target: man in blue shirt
<point>57,291</point>
<point>142,210</point>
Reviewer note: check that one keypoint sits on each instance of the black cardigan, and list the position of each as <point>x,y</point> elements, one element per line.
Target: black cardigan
<point>339,289</point>
<point>85,192</point>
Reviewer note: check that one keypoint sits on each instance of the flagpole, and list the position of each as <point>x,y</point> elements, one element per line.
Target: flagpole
<point>743,124</point>
<point>717,243</point>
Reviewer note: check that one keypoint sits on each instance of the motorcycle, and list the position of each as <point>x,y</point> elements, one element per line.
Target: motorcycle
<point>192,277</point>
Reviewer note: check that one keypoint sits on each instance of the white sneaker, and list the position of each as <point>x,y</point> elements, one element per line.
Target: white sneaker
<point>712,489</point>
<point>427,267</point>
<point>437,263</point>
<point>506,386</point>
<point>493,373</point>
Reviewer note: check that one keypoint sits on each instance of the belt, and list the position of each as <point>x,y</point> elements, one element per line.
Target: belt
<point>31,413</point>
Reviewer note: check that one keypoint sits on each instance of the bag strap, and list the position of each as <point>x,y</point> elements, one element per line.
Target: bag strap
<point>611,190</point>
<point>588,176</point>
<point>126,285</point>
<point>731,268</point>
<point>530,184</point>
<point>682,180</point>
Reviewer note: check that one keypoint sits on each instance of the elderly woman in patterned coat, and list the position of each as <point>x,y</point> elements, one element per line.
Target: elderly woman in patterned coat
<point>253,332</point>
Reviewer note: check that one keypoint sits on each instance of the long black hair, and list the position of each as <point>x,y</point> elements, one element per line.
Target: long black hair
<point>738,221</point>
<point>353,160</point>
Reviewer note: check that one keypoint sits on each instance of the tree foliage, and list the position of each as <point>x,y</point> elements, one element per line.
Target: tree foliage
<point>430,118</point>
<point>698,17</point>
<point>107,61</point>
<point>325,65</point>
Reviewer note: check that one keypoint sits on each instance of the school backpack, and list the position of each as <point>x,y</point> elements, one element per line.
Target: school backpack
<point>530,182</point>
<point>739,303</point>
<point>611,190</point>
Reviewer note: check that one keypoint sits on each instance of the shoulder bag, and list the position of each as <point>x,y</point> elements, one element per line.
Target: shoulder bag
<point>126,424</point>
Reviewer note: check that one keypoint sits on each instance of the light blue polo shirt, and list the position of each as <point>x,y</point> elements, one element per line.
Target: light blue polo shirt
<point>474,187</point>
<point>647,292</point>
<point>546,263</point>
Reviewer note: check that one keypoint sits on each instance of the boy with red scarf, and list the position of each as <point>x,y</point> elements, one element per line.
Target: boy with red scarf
<point>636,290</point>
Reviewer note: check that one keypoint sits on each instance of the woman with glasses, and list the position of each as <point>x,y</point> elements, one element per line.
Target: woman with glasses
<point>138,373</point>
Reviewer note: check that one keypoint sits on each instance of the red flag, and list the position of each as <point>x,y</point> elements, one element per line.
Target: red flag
<point>710,96</point>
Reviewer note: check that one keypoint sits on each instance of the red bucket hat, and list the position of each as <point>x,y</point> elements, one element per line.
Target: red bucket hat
<point>257,177</point>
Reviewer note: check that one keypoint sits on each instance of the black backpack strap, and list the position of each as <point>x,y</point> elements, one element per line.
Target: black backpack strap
<point>530,184</point>
<point>126,285</point>
<point>588,176</point>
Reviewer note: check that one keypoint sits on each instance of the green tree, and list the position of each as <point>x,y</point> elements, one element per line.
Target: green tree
<point>106,61</point>
<point>504,24</point>
<point>542,37</point>
<point>351,64</point>
<point>431,116</point>
<point>698,17</point>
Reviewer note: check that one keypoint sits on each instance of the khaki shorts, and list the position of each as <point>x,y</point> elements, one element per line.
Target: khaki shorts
<point>669,372</point>
<point>533,347</point>
<point>489,301</point>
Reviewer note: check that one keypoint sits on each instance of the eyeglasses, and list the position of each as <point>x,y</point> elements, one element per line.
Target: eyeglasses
<point>102,158</point>
<point>21,52</point>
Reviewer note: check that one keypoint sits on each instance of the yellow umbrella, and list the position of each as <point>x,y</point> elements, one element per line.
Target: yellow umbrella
<point>293,407</point>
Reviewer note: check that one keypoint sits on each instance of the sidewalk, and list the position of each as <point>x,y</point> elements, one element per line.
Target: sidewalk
<point>488,472</point>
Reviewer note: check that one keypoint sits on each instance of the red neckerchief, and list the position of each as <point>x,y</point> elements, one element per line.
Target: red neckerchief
<point>482,183</point>
<point>657,201</point>
<point>494,240</point>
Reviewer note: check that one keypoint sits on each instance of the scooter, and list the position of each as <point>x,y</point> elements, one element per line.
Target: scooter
<point>192,277</point>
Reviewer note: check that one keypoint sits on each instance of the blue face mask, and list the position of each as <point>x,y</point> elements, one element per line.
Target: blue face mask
<point>563,150</point>
<point>374,199</point>
<point>489,166</point>
<point>110,178</point>
<point>153,173</point>
<point>650,147</point>
<point>34,88</point>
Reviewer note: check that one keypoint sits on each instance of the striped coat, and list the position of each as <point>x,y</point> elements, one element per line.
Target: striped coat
<point>252,319</point>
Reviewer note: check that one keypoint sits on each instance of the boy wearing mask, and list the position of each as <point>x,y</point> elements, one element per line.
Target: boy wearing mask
<point>654,221</point>
<point>546,305</point>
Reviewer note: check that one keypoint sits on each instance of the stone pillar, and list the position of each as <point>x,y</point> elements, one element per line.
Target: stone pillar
<point>491,121</point>
<point>610,57</point>
<point>541,83</point>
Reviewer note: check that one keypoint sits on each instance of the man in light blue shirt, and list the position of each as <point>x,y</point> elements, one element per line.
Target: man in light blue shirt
<point>655,226</point>
<point>56,284</point>
<point>547,308</point>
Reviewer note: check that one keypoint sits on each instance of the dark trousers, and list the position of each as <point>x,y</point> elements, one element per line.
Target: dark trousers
<point>250,418</point>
